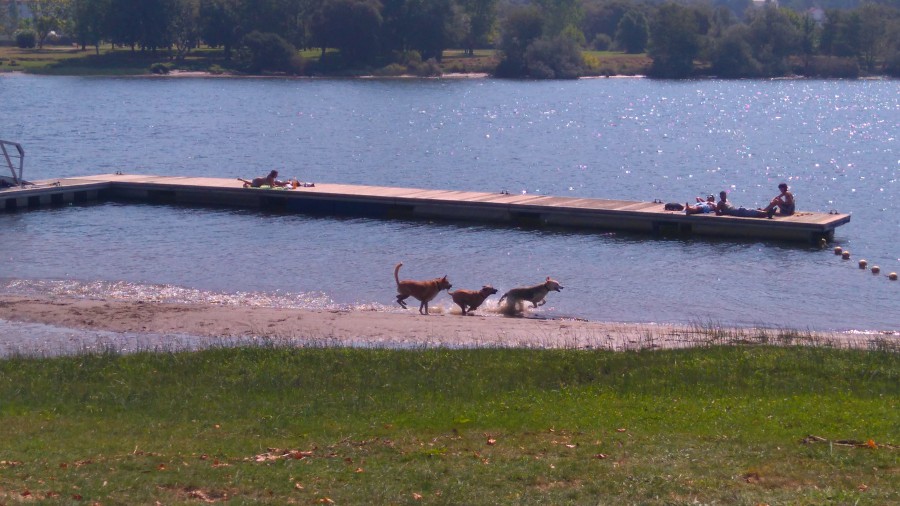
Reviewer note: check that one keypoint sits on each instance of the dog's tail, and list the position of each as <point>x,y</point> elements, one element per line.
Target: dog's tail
<point>397,273</point>
<point>502,297</point>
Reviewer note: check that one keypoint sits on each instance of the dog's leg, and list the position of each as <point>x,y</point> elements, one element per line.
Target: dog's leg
<point>400,300</point>
<point>424,304</point>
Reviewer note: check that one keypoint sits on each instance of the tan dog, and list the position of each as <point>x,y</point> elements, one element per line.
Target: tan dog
<point>471,298</point>
<point>534,294</point>
<point>422,290</point>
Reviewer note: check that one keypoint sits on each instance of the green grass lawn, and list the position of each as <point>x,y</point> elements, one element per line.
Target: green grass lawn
<point>725,425</point>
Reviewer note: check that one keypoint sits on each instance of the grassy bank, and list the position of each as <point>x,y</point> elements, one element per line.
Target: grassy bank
<point>726,425</point>
<point>66,60</point>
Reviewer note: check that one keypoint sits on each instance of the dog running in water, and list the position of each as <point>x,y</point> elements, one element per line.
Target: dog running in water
<point>534,294</point>
<point>469,300</point>
<point>424,291</point>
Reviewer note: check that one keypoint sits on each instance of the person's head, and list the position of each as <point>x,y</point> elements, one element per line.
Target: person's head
<point>273,174</point>
<point>783,187</point>
<point>723,195</point>
<point>710,198</point>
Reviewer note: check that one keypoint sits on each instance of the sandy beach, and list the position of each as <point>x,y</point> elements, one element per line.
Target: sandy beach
<point>166,326</point>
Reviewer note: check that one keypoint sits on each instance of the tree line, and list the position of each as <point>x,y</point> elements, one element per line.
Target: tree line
<point>534,38</point>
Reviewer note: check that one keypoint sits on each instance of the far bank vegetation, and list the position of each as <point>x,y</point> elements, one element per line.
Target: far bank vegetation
<point>538,39</point>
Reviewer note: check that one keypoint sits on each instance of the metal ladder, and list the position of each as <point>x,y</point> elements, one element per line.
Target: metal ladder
<point>11,158</point>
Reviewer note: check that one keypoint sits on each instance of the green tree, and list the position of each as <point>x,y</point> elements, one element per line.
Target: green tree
<point>521,26</point>
<point>220,23</point>
<point>674,41</point>
<point>809,36</point>
<point>873,41</point>
<point>732,54</point>
<point>185,29</point>
<point>351,26</point>
<point>429,26</point>
<point>49,15</point>
<point>559,15</point>
<point>123,23</point>
<point>633,32</point>
<point>842,33</point>
<point>88,18</point>
<point>482,16</point>
<point>603,16</point>
<point>775,36</point>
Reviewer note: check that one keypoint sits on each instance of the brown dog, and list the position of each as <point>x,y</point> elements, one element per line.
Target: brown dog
<point>471,298</point>
<point>422,290</point>
<point>534,294</point>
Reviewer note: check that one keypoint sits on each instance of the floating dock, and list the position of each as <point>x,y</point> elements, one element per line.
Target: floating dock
<point>412,203</point>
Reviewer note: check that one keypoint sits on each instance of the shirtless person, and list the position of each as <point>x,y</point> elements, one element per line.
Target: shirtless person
<point>784,201</point>
<point>702,206</point>
<point>270,180</point>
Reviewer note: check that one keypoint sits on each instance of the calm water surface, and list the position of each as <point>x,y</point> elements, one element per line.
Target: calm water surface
<point>835,142</point>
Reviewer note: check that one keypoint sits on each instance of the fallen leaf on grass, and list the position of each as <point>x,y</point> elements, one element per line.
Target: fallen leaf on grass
<point>276,453</point>
<point>491,441</point>
<point>623,429</point>
<point>10,463</point>
<point>600,456</point>
<point>862,487</point>
<point>325,500</point>
<point>417,497</point>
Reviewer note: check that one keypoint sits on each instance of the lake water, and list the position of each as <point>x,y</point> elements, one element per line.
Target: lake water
<point>835,142</point>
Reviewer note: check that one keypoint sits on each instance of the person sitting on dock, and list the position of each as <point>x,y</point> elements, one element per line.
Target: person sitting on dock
<point>270,180</point>
<point>724,208</point>
<point>784,202</point>
<point>702,206</point>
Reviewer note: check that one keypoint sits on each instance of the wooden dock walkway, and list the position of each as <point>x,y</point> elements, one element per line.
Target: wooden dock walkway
<point>412,203</point>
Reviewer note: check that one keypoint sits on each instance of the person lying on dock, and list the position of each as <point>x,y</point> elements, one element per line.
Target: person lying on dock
<point>724,208</point>
<point>702,206</point>
<point>270,180</point>
<point>784,202</point>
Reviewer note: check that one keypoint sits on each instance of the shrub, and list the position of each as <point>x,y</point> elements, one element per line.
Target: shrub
<point>26,39</point>
<point>429,68</point>
<point>832,66</point>
<point>392,70</point>
<point>268,52</point>
<point>159,68</point>
<point>557,58</point>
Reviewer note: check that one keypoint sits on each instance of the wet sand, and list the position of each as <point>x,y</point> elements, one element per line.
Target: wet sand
<point>166,326</point>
